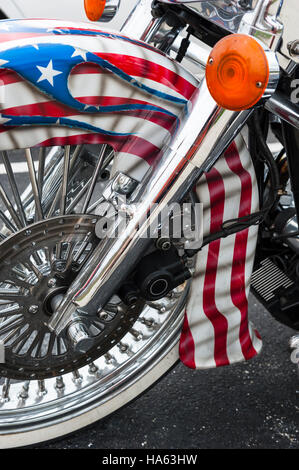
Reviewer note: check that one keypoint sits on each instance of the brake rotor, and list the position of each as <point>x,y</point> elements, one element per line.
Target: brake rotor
<point>37,265</point>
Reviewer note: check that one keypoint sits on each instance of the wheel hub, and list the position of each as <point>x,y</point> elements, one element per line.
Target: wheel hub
<point>53,300</point>
<point>37,265</point>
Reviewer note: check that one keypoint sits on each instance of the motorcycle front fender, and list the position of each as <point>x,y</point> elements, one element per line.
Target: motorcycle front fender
<point>70,83</point>
<point>67,83</point>
<point>217,331</point>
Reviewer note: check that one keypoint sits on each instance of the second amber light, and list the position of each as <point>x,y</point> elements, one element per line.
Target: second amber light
<point>237,72</point>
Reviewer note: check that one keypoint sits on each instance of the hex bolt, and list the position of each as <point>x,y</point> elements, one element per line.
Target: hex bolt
<point>59,266</point>
<point>52,282</point>
<point>293,48</point>
<point>33,309</point>
<point>103,315</point>
<point>294,342</point>
<point>163,244</point>
<point>80,337</point>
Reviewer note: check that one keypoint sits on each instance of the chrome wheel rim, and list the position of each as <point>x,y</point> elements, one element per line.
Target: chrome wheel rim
<point>27,405</point>
<point>31,405</point>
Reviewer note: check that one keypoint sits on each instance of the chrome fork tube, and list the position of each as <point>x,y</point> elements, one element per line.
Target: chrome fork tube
<point>207,131</point>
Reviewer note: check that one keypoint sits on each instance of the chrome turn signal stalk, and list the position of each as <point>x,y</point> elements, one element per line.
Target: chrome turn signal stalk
<point>101,10</point>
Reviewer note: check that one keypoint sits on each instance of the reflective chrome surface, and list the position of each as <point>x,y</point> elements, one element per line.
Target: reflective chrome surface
<point>274,74</point>
<point>36,404</point>
<point>80,337</point>
<point>140,24</point>
<point>111,8</point>
<point>258,18</point>
<point>197,53</point>
<point>207,132</point>
<point>31,405</point>
<point>289,17</point>
<point>294,342</point>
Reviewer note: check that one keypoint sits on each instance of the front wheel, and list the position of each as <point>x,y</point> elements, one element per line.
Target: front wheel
<point>96,392</point>
<point>47,219</point>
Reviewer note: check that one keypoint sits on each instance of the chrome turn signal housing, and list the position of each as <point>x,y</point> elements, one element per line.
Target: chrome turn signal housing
<point>101,10</point>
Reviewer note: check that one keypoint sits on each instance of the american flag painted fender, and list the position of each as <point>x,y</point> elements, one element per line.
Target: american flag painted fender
<point>69,84</point>
<point>72,83</point>
<point>216,330</point>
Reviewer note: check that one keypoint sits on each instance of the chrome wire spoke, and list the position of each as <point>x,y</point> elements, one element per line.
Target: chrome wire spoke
<point>65,178</point>
<point>76,153</point>
<point>82,248</point>
<point>5,390</point>
<point>20,341</point>
<point>38,206</point>
<point>78,198</point>
<point>14,188</point>
<point>108,159</point>
<point>94,179</point>
<point>89,187</point>
<point>7,222</point>
<point>6,295</point>
<point>15,281</point>
<point>70,165</point>
<point>41,170</point>
<point>33,267</point>
<point>8,205</point>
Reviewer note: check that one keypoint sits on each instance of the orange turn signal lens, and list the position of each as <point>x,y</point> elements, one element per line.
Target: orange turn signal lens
<point>94,9</point>
<point>237,72</point>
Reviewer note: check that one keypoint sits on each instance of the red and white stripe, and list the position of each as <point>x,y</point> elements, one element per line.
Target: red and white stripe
<point>216,330</point>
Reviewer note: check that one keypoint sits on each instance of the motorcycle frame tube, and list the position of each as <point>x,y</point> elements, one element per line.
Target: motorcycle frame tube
<point>282,106</point>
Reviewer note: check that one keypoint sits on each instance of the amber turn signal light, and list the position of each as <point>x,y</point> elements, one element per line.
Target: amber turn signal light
<point>237,72</point>
<point>94,9</point>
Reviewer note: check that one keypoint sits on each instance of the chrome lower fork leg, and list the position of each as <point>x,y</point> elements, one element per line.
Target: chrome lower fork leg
<point>207,132</point>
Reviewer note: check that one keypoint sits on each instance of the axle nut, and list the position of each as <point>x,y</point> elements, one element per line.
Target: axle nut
<point>80,337</point>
